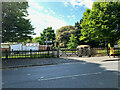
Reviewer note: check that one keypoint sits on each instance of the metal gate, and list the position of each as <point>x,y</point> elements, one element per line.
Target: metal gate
<point>68,52</point>
<point>75,52</point>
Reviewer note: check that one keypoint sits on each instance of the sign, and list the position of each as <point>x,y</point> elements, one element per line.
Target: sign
<point>4,46</point>
<point>48,41</point>
<point>116,46</point>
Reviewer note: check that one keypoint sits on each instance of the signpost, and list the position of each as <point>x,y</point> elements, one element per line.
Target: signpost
<point>48,41</point>
<point>116,46</point>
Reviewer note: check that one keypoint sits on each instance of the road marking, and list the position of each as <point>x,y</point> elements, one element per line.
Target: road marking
<point>69,76</point>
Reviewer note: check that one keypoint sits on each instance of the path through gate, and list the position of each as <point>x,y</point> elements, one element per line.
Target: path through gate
<point>75,52</point>
<point>68,52</point>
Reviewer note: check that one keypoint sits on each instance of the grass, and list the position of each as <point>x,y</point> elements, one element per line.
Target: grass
<point>101,51</point>
<point>105,51</point>
<point>70,51</point>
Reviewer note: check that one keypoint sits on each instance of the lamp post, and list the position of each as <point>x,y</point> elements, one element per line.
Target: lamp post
<point>46,38</point>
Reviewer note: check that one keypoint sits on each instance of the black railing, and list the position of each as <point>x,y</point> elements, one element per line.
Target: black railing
<point>29,54</point>
<point>57,52</point>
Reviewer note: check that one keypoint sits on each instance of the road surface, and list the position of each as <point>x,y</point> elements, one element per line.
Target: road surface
<point>69,75</point>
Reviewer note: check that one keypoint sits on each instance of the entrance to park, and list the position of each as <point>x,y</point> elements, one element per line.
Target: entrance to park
<point>75,52</point>
<point>45,53</point>
<point>59,52</point>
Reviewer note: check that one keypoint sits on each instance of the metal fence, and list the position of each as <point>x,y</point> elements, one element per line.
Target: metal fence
<point>29,54</point>
<point>57,53</point>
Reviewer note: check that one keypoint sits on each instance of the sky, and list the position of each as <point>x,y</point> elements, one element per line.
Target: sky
<point>56,13</point>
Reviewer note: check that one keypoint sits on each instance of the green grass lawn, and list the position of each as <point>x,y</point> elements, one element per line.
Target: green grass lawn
<point>105,51</point>
<point>70,51</point>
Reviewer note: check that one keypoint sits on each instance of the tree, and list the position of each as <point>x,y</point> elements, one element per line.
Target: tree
<point>37,40</point>
<point>15,26</point>
<point>78,31</point>
<point>50,35</point>
<point>63,34</point>
<point>93,43</point>
<point>102,22</point>
<point>118,42</point>
<point>72,44</point>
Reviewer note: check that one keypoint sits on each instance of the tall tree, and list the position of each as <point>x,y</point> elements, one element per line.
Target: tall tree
<point>102,22</point>
<point>78,31</point>
<point>50,35</point>
<point>37,40</point>
<point>63,35</point>
<point>93,43</point>
<point>72,44</point>
<point>15,26</point>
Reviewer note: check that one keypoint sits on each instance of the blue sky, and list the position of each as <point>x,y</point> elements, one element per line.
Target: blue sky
<point>56,14</point>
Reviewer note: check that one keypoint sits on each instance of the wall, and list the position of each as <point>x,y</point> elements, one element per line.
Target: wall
<point>16,47</point>
<point>27,48</point>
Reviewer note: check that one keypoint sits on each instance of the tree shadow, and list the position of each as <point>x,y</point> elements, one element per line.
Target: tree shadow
<point>78,73</point>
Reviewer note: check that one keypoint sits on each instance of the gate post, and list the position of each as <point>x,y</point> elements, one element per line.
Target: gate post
<point>58,52</point>
<point>80,52</point>
<point>48,49</point>
<point>6,54</point>
<point>30,53</point>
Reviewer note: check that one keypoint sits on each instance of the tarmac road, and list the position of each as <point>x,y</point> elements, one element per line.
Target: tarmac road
<point>69,75</point>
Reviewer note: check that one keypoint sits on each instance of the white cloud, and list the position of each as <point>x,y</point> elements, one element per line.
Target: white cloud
<point>68,16</point>
<point>73,15</point>
<point>36,5</point>
<point>87,3</point>
<point>42,21</point>
<point>46,10</point>
<point>66,3</point>
<point>53,12</point>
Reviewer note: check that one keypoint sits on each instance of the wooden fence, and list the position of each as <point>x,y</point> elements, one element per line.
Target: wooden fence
<point>104,52</point>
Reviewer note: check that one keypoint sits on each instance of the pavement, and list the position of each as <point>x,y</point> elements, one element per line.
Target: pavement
<point>96,59</point>
<point>16,63</point>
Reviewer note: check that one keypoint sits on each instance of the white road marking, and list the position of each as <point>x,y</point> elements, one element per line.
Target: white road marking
<point>28,74</point>
<point>69,76</point>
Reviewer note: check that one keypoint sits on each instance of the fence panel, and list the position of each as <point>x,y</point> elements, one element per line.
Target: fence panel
<point>28,54</point>
<point>68,52</point>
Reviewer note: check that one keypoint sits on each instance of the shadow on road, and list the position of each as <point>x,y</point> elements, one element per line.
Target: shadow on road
<point>63,73</point>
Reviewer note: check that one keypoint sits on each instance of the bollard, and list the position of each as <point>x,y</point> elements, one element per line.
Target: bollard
<point>6,54</point>
<point>30,53</point>
<point>48,49</point>
<point>58,52</point>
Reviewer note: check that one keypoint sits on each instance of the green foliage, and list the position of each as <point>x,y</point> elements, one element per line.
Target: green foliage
<point>118,42</point>
<point>50,35</point>
<point>72,44</point>
<point>63,34</point>
<point>37,40</point>
<point>15,28</point>
<point>78,31</point>
<point>102,22</point>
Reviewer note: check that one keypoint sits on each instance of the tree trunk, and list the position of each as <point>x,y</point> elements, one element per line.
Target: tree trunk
<point>107,49</point>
